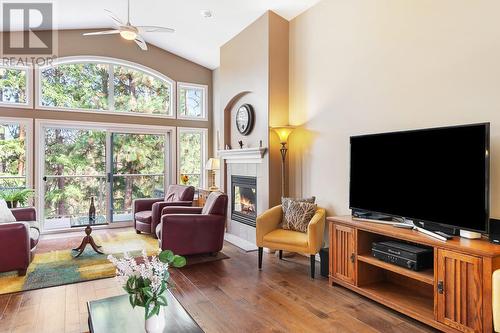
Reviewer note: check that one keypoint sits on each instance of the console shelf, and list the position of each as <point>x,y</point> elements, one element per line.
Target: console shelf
<point>425,276</point>
<point>390,294</point>
<point>454,296</point>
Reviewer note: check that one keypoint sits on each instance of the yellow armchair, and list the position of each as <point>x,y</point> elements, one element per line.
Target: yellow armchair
<point>271,235</point>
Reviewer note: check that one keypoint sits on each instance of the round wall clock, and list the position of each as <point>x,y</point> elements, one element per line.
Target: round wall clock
<point>245,119</point>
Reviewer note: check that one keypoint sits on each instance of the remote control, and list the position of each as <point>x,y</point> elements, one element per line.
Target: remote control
<point>403,225</point>
<point>445,235</point>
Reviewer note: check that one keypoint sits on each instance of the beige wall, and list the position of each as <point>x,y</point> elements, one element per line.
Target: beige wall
<point>256,61</point>
<point>217,122</point>
<point>245,67</point>
<point>278,99</point>
<point>361,66</point>
<point>72,43</point>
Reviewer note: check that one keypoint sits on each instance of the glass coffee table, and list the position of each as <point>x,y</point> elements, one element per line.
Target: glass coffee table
<point>116,315</point>
<point>87,239</point>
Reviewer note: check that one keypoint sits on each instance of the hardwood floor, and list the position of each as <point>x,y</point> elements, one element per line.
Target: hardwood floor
<point>224,296</point>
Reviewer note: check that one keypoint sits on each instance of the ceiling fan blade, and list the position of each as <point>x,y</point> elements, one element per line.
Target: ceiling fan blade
<point>141,42</point>
<point>106,32</point>
<point>154,28</point>
<point>114,17</point>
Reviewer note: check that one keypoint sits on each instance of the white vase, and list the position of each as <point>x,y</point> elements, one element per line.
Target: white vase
<point>156,324</point>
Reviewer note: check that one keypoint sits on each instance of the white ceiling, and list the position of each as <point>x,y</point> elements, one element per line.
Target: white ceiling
<point>196,38</point>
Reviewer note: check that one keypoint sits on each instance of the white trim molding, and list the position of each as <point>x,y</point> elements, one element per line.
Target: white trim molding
<point>244,155</point>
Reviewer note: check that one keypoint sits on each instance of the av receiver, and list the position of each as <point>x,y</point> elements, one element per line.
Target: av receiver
<point>402,254</point>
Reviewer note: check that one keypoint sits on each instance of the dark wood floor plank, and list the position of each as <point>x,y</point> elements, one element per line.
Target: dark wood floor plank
<point>198,305</point>
<point>10,312</point>
<point>230,295</point>
<point>4,300</point>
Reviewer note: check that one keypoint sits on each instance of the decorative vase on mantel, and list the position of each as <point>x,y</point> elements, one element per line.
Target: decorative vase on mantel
<point>147,281</point>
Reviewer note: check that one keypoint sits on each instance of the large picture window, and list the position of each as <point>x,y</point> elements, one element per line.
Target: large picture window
<point>104,85</point>
<point>14,86</point>
<point>192,151</point>
<point>112,163</point>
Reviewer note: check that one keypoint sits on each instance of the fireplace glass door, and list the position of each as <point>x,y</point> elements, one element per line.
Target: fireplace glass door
<point>244,199</point>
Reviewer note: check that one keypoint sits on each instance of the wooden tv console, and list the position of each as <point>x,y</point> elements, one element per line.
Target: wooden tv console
<point>454,296</point>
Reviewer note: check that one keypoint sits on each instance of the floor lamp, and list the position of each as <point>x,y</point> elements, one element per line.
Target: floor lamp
<point>283,133</point>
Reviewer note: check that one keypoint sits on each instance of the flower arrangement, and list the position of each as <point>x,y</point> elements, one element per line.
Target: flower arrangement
<point>184,179</point>
<point>147,282</point>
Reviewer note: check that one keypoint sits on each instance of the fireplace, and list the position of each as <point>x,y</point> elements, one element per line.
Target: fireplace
<point>244,199</point>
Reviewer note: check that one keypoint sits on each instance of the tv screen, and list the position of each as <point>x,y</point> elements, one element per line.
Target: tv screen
<point>438,175</point>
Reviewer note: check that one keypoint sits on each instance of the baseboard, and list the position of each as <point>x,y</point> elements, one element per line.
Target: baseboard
<point>240,242</point>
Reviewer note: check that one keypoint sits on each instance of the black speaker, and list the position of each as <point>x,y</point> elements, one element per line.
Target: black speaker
<point>495,231</point>
<point>323,255</point>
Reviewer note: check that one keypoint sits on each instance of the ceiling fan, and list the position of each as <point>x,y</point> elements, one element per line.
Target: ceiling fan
<point>129,31</point>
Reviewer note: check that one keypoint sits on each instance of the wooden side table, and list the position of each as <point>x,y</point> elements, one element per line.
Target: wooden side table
<point>202,196</point>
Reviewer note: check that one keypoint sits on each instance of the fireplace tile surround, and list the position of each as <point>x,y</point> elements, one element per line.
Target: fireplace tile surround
<point>253,163</point>
<point>235,227</point>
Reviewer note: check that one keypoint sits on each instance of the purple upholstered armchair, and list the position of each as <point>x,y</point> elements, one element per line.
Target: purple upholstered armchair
<point>147,212</point>
<point>18,241</point>
<point>194,230</point>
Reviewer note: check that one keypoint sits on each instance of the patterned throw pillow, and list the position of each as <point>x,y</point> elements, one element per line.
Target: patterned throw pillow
<point>285,204</point>
<point>298,215</point>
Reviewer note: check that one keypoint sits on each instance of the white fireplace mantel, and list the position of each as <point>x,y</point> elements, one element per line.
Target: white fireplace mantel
<point>244,155</point>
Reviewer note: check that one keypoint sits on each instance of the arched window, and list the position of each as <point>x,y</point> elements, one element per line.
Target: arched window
<point>104,85</point>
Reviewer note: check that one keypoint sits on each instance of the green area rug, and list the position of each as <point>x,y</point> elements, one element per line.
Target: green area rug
<point>54,264</point>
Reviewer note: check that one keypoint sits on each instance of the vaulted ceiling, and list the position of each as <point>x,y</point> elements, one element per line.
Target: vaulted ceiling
<point>196,38</point>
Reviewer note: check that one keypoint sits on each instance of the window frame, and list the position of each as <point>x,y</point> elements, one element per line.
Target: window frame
<point>204,151</point>
<point>40,125</point>
<point>29,88</point>
<point>107,61</point>
<point>204,87</point>
<point>28,146</point>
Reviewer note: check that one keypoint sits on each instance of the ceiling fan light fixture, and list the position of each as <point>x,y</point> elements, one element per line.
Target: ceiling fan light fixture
<point>128,35</point>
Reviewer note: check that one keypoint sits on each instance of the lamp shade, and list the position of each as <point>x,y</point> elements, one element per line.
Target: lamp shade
<point>212,164</point>
<point>283,132</point>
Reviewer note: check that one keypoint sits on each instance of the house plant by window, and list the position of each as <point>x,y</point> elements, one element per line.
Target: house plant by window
<point>147,282</point>
<point>16,197</point>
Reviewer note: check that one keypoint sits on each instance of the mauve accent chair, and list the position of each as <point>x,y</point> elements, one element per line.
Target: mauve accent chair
<point>194,230</point>
<point>147,212</point>
<point>18,241</point>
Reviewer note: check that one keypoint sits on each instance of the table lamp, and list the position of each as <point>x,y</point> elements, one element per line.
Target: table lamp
<point>212,165</point>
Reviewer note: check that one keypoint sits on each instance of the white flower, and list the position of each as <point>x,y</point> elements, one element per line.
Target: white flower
<point>151,270</point>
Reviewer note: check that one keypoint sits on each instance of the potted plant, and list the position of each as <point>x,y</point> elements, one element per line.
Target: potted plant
<point>147,283</point>
<point>14,197</point>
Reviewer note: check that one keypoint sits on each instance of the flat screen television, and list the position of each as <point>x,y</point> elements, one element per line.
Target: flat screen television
<point>436,176</point>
